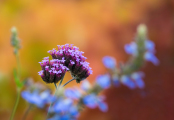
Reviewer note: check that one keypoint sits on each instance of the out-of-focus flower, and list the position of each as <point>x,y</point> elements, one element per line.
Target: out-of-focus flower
<point>150,46</point>
<point>15,41</point>
<point>149,56</point>
<point>103,81</point>
<point>52,71</point>
<point>74,60</point>
<point>137,77</point>
<point>62,105</point>
<point>64,109</point>
<point>131,48</point>
<point>72,93</point>
<point>115,80</point>
<point>109,62</point>
<point>92,101</point>
<point>126,80</point>
<point>85,85</point>
<point>36,98</point>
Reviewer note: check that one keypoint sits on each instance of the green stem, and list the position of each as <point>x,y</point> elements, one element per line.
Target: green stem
<point>68,82</point>
<point>16,104</point>
<point>54,95</point>
<point>26,112</point>
<point>18,64</point>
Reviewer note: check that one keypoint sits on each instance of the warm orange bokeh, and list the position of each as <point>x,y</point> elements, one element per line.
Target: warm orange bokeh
<point>99,28</point>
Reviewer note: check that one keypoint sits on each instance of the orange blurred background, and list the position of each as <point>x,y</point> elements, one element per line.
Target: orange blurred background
<point>99,28</point>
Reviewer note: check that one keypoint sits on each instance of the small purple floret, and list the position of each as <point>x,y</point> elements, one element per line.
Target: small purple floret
<point>72,59</point>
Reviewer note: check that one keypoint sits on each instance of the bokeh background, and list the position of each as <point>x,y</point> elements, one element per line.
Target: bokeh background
<point>99,28</point>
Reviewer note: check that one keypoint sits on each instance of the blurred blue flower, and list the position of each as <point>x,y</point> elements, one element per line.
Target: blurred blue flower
<point>128,82</point>
<point>72,93</point>
<point>92,101</point>
<point>109,62</point>
<point>116,81</point>
<point>62,105</point>
<point>150,46</point>
<point>131,48</point>
<point>60,117</point>
<point>85,85</point>
<point>103,81</point>
<point>64,110</point>
<point>149,56</point>
<point>137,77</point>
<point>36,98</point>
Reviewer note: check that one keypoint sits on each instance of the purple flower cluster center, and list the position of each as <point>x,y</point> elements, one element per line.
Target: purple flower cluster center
<point>66,58</point>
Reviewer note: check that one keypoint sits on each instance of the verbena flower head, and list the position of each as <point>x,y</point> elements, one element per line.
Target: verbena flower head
<point>53,70</point>
<point>74,60</point>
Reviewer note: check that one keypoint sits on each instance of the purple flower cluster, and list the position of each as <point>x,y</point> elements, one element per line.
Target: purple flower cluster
<point>53,70</point>
<point>73,60</point>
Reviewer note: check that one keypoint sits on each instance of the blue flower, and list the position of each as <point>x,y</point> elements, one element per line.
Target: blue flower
<point>109,62</point>
<point>92,101</point>
<point>137,77</point>
<point>116,81</point>
<point>131,48</point>
<point>62,105</point>
<point>103,81</point>
<point>64,110</point>
<point>37,99</point>
<point>60,117</point>
<point>85,85</point>
<point>128,82</point>
<point>149,56</point>
<point>72,93</point>
<point>150,46</point>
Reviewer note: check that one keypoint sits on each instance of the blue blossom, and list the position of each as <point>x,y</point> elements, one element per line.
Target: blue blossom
<point>150,46</point>
<point>64,110</point>
<point>60,117</point>
<point>149,56</point>
<point>131,48</point>
<point>128,82</point>
<point>85,85</point>
<point>72,93</point>
<point>92,101</point>
<point>103,81</point>
<point>36,98</point>
<point>137,77</point>
<point>62,105</point>
<point>109,62</point>
<point>116,81</point>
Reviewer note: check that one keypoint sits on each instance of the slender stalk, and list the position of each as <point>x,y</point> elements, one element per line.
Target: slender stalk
<point>16,104</point>
<point>18,89</point>
<point>54,95</point>
<point>26,112</point>
<point>18,64</point>
<point>55,85</point>
<point>68,82</point>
